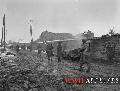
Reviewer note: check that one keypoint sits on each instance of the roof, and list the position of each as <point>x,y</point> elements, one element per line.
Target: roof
<point>59,40</point>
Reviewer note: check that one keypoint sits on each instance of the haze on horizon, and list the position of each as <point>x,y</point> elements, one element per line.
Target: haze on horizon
<point>70,16</point>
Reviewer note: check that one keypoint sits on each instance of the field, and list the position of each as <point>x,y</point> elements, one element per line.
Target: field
<point>33,73</point>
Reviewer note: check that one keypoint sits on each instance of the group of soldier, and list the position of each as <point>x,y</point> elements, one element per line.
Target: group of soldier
<point>49,50</point>
<point>110,51</point>
<point>50,54</point>
<point>17,47</point>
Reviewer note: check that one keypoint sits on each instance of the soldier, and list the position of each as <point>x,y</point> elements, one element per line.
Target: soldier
<point>59,55</point>
<point>82,51</point>
<point>59,52</point>
<point>23,47</point>
<point>39,50</point>
<point>49,51</point>
<point>84,65</point>
<point>17,48</point>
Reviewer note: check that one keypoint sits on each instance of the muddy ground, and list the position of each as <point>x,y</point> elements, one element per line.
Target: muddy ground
<point>54,73</point>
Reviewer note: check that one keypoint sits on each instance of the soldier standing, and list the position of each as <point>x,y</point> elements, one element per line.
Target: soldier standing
<point>39,50</point>
<point>17,48</point>
<point>59,55</point>
<point>84,65</point>
<point>59,52</point>
<point>49,51</point>
<point>23,47</point>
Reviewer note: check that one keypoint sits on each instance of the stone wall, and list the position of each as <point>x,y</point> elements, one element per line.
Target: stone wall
<point>98,50</point>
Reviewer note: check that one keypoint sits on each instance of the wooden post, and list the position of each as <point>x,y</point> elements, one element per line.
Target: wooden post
<point>31,44</point>
<point>4,29</point>
<point>2,37</point>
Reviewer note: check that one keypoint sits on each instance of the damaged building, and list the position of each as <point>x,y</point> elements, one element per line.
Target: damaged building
<point>99,47</point>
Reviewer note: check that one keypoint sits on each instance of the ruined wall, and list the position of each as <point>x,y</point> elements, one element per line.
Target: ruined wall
<point>98,50</point>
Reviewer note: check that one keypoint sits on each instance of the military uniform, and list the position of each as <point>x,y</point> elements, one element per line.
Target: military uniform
<point>49,51</point>
<point>23,47</point>
<point>17,48</point>
<point>59,52</point>
<point>39,50</point>
<point>84,65</point>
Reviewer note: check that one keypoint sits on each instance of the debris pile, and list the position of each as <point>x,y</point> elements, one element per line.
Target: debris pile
<point>21,77</point>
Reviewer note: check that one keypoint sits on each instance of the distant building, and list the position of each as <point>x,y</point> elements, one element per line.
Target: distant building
<point>50,36</point>
<point>88,34</point>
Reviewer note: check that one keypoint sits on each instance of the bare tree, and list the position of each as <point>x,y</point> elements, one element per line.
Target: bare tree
<point>112,32</point>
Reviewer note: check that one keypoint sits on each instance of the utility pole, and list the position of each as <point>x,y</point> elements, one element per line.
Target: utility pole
<point>31,35</point>
<point>31,44</point>
<point>2,37</point>
<point>4,30</point>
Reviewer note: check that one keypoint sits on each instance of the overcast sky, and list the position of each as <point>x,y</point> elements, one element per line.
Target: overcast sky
<point>73,16</point>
